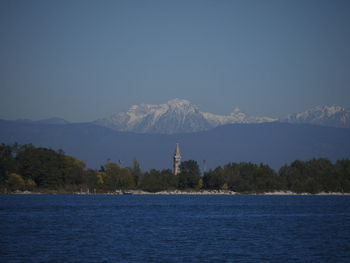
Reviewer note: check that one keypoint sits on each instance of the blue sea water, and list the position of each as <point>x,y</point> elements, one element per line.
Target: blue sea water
<point>169,228</point>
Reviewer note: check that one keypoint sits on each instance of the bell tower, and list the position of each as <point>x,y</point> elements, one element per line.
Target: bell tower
<point>177,160</point>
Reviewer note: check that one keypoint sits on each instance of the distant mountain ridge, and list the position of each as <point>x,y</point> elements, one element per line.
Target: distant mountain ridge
<point>53,120</point>
<point>181,116</point>
<point>328,115</point>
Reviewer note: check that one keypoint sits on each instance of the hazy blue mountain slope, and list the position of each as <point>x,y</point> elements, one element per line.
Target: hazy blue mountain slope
<point>271,143</point>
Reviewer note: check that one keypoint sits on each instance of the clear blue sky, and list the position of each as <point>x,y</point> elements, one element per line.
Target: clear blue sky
<point>82,60</point>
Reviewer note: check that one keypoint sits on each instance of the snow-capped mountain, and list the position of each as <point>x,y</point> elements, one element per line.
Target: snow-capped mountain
<point>175,116</point>
<point>334,116</point>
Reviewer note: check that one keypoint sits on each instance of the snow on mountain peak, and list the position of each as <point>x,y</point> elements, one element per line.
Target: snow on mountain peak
<point>236,110</point>
<point>239,115</point>
<point>317,112</point>
<point>178,102</point>
<point>328,115</point>
<point>331,110</point>
<point>182,106</point>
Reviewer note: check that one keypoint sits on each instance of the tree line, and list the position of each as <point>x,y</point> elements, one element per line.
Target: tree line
<point>25,167</point>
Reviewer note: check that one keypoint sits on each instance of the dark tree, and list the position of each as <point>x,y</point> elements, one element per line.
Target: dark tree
<point>136,171</point>
<point>7,162</point>
<point>190,175</point>
<point>44,166</point>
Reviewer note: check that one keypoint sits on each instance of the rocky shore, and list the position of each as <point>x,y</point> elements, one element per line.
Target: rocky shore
<point>226,192</point>
<point>181,192</point>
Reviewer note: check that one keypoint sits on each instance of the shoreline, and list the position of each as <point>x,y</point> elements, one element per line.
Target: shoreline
<point>179,192</point>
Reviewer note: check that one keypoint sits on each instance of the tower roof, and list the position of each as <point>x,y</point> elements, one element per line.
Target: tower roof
<point>177,149</point>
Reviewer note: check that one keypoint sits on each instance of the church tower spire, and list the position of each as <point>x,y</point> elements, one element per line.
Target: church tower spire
<point>177,160</point>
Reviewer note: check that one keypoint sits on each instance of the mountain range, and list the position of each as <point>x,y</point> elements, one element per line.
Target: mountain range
<point>181,116</point>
